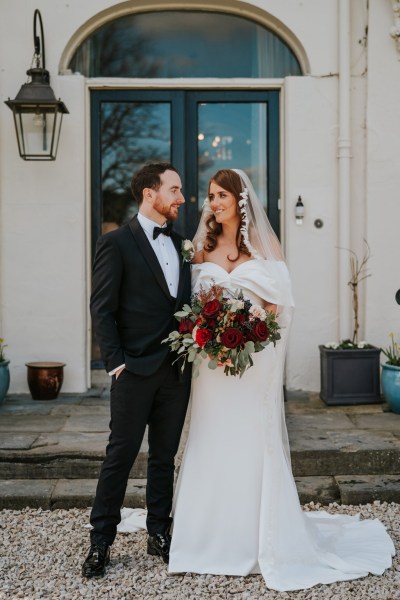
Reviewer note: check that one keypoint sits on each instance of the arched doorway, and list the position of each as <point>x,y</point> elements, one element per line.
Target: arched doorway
<point>194,123</point>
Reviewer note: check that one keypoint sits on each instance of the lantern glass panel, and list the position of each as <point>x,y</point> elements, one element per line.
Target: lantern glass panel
<point>38,130</point>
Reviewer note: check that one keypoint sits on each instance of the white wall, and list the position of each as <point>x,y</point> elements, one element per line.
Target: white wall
<point>44,206</point>
<point>310,171</point>
<point>383,177</point>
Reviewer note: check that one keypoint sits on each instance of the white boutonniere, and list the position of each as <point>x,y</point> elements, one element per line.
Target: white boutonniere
<point>187,251</point>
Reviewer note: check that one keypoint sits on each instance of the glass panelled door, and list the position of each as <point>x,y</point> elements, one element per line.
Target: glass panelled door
<point>200,132</point>
<point>128,129</point>
<point>232,130</point>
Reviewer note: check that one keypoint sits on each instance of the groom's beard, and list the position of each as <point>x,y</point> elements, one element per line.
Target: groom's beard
<point>169,211</point>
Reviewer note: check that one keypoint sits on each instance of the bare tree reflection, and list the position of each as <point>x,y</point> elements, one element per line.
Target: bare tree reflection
<point>132,133</point>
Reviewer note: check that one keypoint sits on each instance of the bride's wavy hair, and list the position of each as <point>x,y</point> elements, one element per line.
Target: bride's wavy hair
<point>231,182</point>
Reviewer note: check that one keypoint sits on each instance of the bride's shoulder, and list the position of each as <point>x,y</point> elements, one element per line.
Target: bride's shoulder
<point>198,257</point>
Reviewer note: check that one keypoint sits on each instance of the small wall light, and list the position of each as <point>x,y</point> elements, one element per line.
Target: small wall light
<point>37,112</point>
<point>299,211</point>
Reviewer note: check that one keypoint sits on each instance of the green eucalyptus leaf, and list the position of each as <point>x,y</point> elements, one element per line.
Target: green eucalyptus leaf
<point>249,347</point>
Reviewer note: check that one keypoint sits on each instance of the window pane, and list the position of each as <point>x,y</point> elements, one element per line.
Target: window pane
<point>131,134</point>
<point>184,44</point>
<point>233,136</point>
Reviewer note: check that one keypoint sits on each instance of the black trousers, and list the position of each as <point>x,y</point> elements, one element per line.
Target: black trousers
<point>159,400</point>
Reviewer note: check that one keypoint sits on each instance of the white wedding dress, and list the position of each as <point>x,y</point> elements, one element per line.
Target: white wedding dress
<point>236,508</point>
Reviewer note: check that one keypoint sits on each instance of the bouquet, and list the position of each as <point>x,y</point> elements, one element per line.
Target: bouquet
<point>226,330</point>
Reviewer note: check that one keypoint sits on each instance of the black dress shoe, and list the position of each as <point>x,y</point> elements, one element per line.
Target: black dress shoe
<point>97,560</point>
<point>158,545</point>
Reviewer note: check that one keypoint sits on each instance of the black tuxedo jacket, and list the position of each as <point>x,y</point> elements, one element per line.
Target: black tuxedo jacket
<point>131,307</point>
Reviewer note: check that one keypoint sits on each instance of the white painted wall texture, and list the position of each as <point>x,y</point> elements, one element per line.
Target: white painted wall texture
<point>45,207</point>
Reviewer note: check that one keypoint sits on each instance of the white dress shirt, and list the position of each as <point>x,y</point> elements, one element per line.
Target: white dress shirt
<point>167,256</point>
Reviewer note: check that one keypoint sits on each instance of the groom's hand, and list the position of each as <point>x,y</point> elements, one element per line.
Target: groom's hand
<point>118,373</point>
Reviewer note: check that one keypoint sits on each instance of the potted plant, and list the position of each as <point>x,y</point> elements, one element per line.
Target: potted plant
<point>349,368</point>
<point>391,375</point>
<point>4,372</point>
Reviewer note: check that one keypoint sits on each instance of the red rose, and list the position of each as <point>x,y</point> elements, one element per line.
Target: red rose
<point>239,318</point>
<point>203,336</point>
<point>186,325</point>
<point>211,308</point>
<point>260,332</point>
<point>231,337</point>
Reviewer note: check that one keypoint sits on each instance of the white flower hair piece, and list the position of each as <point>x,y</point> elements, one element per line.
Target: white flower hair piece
<point>206,205</point>
<point>244,228</point>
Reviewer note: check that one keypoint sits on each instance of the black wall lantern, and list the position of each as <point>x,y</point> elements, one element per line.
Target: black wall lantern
<point>37,112</point>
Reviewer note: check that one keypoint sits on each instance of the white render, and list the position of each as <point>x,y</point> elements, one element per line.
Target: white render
<point>45,207</point>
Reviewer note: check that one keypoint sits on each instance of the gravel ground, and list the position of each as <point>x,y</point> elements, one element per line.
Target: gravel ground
<point>41,553</point>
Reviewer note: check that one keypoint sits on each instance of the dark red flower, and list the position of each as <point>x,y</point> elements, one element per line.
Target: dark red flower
<point>186,325</point>
<point>239,318</point>
<point>260,332</point>
<point>211,308</point>
<point>231,337</point>
<point>203,336</point>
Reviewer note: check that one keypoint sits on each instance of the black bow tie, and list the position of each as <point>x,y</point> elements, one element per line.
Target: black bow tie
<point>165,230</point>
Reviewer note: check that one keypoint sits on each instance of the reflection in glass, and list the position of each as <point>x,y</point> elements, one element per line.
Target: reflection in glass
<point>233,135</point>
<point>132,133</point>
<point>184,44</point>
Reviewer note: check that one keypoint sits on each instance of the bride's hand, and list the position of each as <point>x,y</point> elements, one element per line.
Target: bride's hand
<point>271,307</point>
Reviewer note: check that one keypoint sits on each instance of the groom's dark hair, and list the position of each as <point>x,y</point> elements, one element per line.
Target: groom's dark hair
<point>148,177</point>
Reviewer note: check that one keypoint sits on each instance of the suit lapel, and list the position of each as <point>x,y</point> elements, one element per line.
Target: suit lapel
<point>148,254</point>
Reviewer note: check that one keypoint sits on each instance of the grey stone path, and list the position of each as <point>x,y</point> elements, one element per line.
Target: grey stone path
<point>51,451</point>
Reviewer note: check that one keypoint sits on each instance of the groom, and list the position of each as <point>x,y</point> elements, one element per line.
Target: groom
<point>139,281</point>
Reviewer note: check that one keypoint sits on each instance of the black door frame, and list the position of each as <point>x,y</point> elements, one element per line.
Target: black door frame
<point>183,132</point>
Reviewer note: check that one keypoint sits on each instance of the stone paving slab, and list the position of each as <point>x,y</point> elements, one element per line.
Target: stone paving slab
<point>87,422</point>
<point>25,409</point>
<point>104,400</point>
<point>331,462</point>
<point>100,408</point>
<point>80,493</point>
<point>363,439</point>
<point>317,489</point>
<point>55,444</point>
<point>297,403</point>
<point>10,441</point>
<point>350,440</point>
<point>322,422</point>
<point>368,488</point>
<point>77,442</point>
<point>64,467</point>
<point>18,494</point>
<point>385,421</point>
<point>33,423</point>
<point>55,468</point>
<point>71,443</point>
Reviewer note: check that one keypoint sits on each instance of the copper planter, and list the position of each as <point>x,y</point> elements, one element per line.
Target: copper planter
<point>45,379</point>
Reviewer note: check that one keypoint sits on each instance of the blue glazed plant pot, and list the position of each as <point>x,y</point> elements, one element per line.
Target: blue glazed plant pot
<point>4,379</point>
<point>391,386</point>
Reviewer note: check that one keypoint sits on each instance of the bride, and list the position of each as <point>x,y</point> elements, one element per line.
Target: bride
<point>236,506</point>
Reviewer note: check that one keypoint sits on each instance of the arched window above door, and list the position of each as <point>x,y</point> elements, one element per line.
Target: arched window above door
<point>184,44</point>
